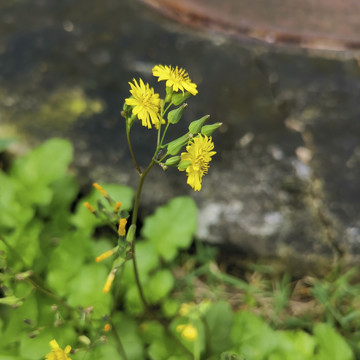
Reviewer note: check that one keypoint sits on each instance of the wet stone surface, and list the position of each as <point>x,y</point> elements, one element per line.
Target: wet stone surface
<point>284,182</point>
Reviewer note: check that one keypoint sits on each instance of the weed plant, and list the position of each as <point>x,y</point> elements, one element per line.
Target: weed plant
<point>70,291</point>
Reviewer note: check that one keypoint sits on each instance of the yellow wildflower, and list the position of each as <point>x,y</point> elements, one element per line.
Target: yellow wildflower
<point>176,78</point>
<point>57,353</point>
<point>117,206</point>
<point>106,254</point>
<point>121,229</point>
<point>196,159</point>
<point>107,327</point>
<point>146,104</point>
<point>188,331</point>
<point>89,207</point>
<point>100,189</point>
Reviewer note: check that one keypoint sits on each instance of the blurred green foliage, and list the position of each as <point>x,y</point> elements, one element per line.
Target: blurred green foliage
<point>51,288</point>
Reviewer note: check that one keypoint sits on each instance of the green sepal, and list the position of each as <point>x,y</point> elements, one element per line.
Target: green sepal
<point>126,107</point>
<point>174,147</point>
<point>183,165</point>
<point>209,129</point>
<point>169,94</point>
<point>178,98</point>
<point>173,161</point>
<point>131,233</point>
<point>195,126</point>
<point>175,115</point>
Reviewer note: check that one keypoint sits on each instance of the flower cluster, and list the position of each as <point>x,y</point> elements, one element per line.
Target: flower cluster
<point>147,106</point>
<point>119,217</point>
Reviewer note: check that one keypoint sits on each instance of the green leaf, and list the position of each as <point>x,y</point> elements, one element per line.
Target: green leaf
<point>159,285</point>
<point>37,347</point>
<point>66,261</point>
<point>25,241</point>
<point>252,336</point>
<point>331,345</point>
<point>13,212</point>
<point>128,331</point>
<point>147,260</point>
<point>219,320</point>
<point>86,289</point>
<point>44,164</point>
<point>172,227</point>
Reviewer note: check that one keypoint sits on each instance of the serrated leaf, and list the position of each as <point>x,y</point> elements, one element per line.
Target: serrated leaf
<point>172,227</point>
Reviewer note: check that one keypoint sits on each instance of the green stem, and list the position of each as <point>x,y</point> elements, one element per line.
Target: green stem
<point>118,342</point>
<point>131,149</point>
<point>133,222</point>
<point>35,283</point>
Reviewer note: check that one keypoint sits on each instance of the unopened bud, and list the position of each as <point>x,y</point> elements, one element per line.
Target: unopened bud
<point>175,115</point>
<point>196,125</point>
<point>209,129</point>
<point>175,146</point>
<point>131,233</point>
<point>174,160</point>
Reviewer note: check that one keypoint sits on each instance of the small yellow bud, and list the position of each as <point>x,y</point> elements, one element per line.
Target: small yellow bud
<point>107,327</point>
<point>100,189</point>
<point>188,331</point>
<point>117,206</point>
<point>89,207</point>
<point>105,255</point>
<point>109,281</point>
<point>121,229</point>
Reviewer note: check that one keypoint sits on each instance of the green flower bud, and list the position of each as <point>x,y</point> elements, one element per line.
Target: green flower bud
<point>174,160</point>
<point>131,233</point>
<point>209,129</point>
<point>196,125</point>
<point>174,147</point>
<point>178,98</point>
<point>175,115</point>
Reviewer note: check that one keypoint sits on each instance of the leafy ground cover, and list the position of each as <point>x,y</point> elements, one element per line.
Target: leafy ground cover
<point>52,288</point>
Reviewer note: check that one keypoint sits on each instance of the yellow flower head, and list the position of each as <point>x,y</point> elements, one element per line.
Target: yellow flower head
<point>146,104</point>
<point>107,327</point>
<point>197,157</point>
<point>188,331</point>
<point>176,78</point>
<point>57,353</point>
